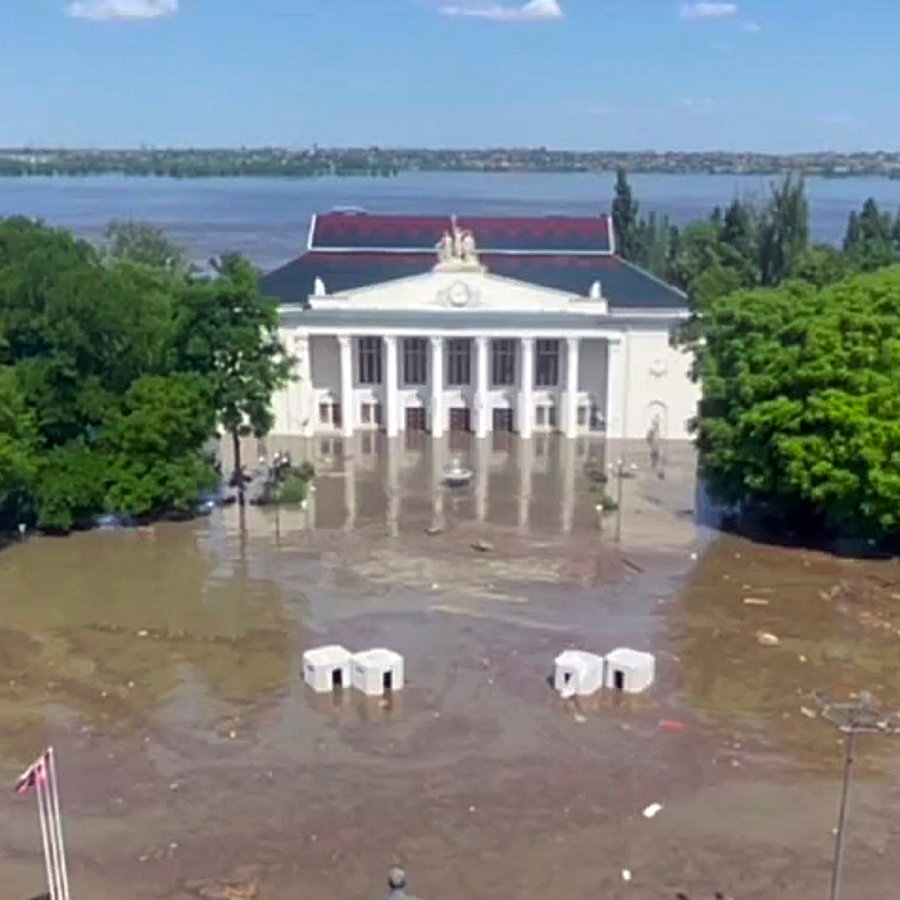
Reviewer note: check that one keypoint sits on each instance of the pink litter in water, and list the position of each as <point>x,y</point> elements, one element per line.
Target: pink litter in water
<point>671,725</point>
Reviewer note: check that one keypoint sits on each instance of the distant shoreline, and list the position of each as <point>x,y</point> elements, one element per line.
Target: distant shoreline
<point>316,163</point>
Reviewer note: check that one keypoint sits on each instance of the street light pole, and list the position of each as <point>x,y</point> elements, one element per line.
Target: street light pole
<point>837,868</point>
<point>851,719</point>
<point>620,472</point>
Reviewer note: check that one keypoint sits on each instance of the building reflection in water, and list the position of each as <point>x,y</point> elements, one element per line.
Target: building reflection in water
<point>534,485</point>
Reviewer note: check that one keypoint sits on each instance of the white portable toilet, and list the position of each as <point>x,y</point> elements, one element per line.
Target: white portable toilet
<point>577,672</point>
<point>377,671</point>
<point>630,670</point>
<point>327,668</point>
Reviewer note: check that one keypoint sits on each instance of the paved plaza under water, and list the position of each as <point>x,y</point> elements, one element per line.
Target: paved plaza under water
<point>164,665</point>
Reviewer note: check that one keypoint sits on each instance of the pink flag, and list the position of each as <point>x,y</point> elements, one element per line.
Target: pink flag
<point>34,775</point>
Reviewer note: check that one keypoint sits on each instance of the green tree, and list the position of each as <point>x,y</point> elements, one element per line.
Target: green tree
<point>153,448</point>
<point>143,243</point>
<point>657,244</point>
<point>822,264</point>
<point>800,413</point>
<point>626,222</point>
<point>869,241</point>
<point>18,451</point>
<point>740,231</point>
<point>81,337</point>
<point>228,332</point>
<point>784,230</point>
<point>70,487</point>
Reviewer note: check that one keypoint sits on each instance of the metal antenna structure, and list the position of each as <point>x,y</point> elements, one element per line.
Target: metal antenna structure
<point>860,716</point>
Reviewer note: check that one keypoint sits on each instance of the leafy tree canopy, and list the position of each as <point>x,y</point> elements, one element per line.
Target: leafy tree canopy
<point>143,243</point>
<point>116,369</point>
<point>800,415</point>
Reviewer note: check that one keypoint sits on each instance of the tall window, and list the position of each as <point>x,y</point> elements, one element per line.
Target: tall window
<point>369,359</point>
<point>547,363</point>
<point>415,361</point>
<point>503,362</point>
<point>459,362</point>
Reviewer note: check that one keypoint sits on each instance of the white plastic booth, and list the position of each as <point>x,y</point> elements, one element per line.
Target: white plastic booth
<point>577,672</point>
<point>377,671</point>
<point>327,668</point>
<point>630,671</point>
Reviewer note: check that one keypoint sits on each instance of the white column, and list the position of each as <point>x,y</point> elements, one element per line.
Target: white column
<point>348,409</point>
<point>526,387</point>
<point>438,414</point>
<point>571,396</point>
<point>615,389</point>
<point>302,408</point>
<point>482,347</point>
<point>391,388</point>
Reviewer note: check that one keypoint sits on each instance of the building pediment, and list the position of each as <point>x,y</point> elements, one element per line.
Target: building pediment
<point>447,288</point>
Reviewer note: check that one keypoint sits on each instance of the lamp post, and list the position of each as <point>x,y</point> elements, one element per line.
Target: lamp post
<point>851,719</point>
<point>620,474</point>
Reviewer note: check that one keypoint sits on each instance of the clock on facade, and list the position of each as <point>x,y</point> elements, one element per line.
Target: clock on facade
<point>459,294</point>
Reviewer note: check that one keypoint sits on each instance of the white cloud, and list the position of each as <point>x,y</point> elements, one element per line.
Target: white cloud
<point>534,10</point>
<point>121,10</point>
<point>708,10</point>
<point>752,27</point>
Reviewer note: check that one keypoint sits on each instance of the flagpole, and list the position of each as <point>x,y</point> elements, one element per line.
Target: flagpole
<point>57,822</point>
<point>47,795</point>
<point>48,862</point>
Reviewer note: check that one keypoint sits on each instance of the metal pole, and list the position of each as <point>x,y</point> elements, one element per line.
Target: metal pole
<point>838,866</point>
<point>56,824</point>
<point>619,470</point>
<point>45,839</point>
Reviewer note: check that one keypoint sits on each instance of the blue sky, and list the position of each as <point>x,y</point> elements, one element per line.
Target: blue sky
<point>611,74</point>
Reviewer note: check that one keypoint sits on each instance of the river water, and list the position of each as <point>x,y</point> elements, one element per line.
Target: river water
<point>164,665</point>
<point>268,219</point>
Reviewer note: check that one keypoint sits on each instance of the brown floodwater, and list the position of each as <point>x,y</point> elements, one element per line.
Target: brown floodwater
<point>164,666</point>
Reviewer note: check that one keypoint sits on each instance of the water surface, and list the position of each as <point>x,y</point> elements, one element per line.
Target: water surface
<point>164,664</point>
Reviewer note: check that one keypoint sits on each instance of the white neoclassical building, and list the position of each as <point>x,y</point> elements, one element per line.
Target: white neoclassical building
<point>436,324</point>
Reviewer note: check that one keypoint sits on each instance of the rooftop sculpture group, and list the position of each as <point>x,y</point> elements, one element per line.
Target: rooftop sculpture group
<point>457,246</point>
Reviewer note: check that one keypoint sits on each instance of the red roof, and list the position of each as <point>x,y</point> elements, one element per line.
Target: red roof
<point>357,231</point>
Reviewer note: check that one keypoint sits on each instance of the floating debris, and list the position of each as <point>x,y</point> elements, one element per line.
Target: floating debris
<point>651,810</point>
<point>767,639</point>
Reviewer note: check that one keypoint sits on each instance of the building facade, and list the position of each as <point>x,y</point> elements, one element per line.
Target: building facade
<point>433,324</point>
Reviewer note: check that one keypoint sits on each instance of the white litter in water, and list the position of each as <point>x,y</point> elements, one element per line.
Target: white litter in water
<point>626,874</point>
<point>652,810</point>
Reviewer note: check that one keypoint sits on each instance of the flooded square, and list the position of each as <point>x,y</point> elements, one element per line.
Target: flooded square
<point>165,666</point>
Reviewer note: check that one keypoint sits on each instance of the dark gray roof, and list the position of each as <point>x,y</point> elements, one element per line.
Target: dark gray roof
<point>624,285</point>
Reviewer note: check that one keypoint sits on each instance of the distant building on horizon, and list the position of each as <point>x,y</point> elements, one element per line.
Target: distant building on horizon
<point>504,324</point>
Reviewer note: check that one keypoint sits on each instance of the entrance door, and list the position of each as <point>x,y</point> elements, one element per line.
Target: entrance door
<point>460,418</point>
<point>619,680</point>
<point>503,420</point>
<point>337,679</point>
<point>415,418</point>
<point>387,682</point>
